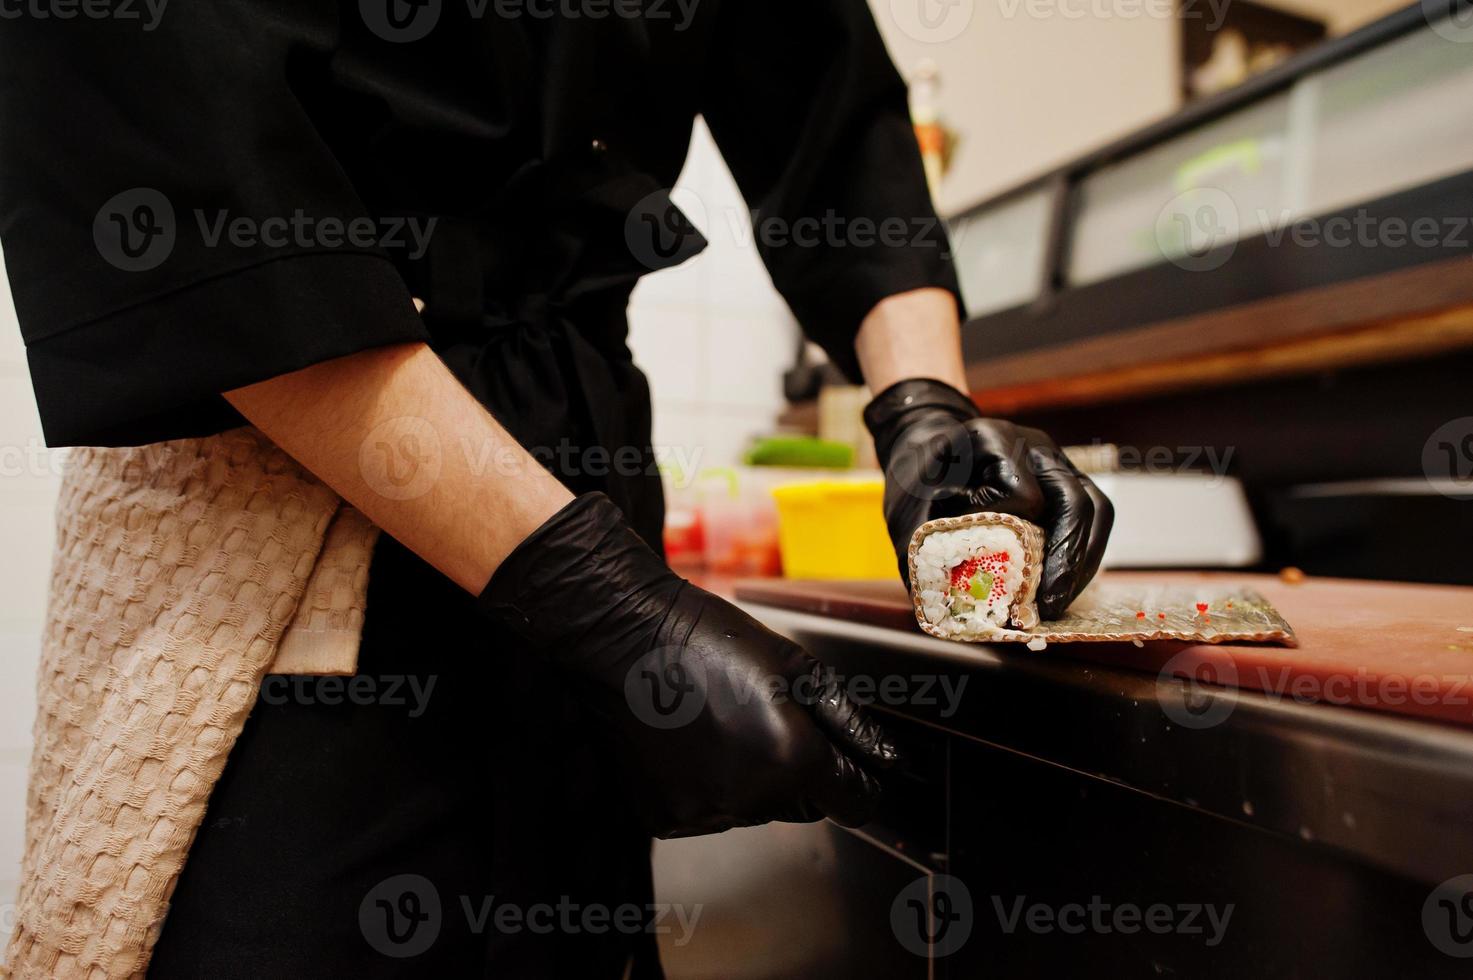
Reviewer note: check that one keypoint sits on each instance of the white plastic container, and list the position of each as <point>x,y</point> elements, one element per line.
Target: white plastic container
<point>1179,520</point>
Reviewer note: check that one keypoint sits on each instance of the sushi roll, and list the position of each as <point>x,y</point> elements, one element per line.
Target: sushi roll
<point>976,576</point>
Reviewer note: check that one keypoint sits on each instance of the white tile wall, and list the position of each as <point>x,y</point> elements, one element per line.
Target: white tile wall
<point>713,334</point>
<point>28,484</point>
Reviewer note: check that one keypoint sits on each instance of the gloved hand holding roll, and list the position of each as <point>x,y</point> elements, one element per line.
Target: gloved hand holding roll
<point>943,459</point>
<point>722,722</point>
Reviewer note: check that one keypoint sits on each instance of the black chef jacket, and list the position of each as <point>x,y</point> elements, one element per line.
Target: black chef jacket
<point>179,196</point>
<point>175,206</point>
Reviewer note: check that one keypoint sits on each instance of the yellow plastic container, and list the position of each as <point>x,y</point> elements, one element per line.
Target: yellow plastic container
<point>834,529</point>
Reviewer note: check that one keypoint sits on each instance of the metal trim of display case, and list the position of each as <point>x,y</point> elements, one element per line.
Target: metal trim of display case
<point>1253,270</point>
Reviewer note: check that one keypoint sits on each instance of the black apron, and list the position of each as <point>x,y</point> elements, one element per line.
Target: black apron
<point>343,834</point>
<point>527,306</point>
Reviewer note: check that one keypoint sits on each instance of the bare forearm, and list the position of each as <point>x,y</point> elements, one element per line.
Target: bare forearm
<point>912,335</point>
<point>396,435</point>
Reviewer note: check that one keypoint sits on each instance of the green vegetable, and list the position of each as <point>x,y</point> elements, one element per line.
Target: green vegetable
<point>981,585</point>
<point>800,451</point>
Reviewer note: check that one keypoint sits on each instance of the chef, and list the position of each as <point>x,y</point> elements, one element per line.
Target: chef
<point>329,258</point>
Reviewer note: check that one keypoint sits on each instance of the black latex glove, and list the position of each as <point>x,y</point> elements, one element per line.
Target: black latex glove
<point>943,459</point>
<point>721,722</point>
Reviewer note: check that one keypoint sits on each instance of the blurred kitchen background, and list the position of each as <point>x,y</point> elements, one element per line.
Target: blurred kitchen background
<point>1123,178</point>
<point>1182,232</point>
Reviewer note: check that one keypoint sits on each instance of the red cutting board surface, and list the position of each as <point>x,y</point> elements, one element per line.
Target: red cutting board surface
<point>1385,646</point>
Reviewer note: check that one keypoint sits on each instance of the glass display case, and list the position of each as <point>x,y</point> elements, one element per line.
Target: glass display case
<point>1350,161</point>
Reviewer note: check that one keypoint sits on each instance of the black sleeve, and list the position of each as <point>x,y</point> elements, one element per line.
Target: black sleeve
<point>174,225</point>
<point>812,118</point>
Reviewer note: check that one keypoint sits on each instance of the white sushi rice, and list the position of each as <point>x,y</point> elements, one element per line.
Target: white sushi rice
<point>963,616</point>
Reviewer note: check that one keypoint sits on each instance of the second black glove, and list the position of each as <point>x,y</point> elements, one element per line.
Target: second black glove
<point>943,459</point>
<point>721,722</point>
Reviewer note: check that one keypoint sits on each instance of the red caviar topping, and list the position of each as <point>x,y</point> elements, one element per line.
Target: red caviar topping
<point>1140,614</point>
<point>996,563</point>
<point>962,574</point>
<point>1202,608</point>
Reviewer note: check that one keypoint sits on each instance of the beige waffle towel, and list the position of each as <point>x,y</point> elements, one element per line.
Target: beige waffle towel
<point>184,571</point>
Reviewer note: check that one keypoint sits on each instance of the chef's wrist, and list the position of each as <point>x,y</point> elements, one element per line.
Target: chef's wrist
<point>583,565</point>
<point>914,334</point>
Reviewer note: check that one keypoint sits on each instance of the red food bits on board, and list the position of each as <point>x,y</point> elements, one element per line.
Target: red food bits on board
<point>1202,608</point>
<point>1141,614</point>
<point>1160,615</point>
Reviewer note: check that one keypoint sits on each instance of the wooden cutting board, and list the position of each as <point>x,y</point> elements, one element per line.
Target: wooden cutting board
<point>1385,646</point>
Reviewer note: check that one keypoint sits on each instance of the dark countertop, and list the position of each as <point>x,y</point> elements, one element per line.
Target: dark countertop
<point>1393,791</point>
